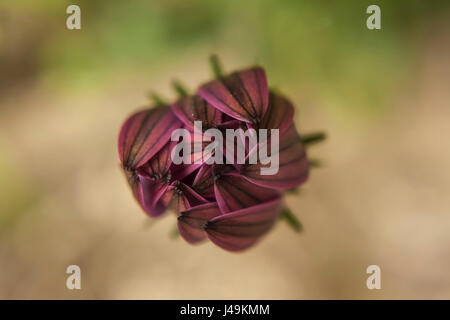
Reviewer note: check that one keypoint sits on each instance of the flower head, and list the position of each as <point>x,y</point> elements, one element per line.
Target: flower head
<point>231,203</point>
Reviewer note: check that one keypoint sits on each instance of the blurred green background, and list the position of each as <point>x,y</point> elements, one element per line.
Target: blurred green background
<point>381,95</point>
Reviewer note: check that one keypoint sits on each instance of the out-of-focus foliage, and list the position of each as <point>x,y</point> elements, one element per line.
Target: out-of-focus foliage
<point>321,47</point>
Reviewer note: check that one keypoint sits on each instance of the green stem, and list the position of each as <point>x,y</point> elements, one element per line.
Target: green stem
<point>215,66</point>
<point>174,234</point>
<point>291,219</point>
<point>313,138</point>
<point>179,89</point>
<point>157,100</point>
<point>315,163</point>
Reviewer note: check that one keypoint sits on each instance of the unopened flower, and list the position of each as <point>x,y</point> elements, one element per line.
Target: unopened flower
<point>232,204</point>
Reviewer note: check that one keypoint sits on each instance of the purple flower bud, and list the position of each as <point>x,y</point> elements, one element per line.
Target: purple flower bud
<point>231,203</point>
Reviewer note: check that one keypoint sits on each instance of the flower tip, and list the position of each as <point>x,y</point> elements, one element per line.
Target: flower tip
<point>313,138</point>
<point>179,88</point>
<point>156,99</point>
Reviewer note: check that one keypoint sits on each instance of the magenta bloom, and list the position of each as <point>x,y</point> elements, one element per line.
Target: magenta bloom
<point>232,204</point>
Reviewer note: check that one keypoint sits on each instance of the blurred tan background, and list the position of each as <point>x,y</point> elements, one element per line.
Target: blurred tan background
<point>381,197</point>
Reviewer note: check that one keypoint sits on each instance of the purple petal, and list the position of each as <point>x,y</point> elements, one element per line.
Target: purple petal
<point>155,178</point>
<point>242,95</point>
<point>239,144</point>
<point>158,166</point>
<point>180,171</point>
<point>293,164</point>
<point>141,191</point>
<point>195,156</point>
<point>233,192</point>
<point>204,181</point>
<point>144,134</point>
<point>241,229</point>
<point>152,191</point>
<point>180,197</point>
<point>279,115</point>
<point>191,222</point>
<point>194,108</point>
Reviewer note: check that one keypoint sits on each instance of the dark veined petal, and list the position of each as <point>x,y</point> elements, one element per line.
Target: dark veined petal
<point>191,223</point>
<point>158,166</point>
<point>154,177</point>
<point>156,210</point>
<point>194,108</point>
<point>239,143</point>
<point>180,171</point>
<point>279,115</point>
<point>152,191</point>
<point>293,164</point>
<point>241,229</point>
<point>204,181</point>
<point>140,189</point>
<point>180,197</point>
<point>233,192</point>
<point>194,156</point>
<point>144,134</point>
<point>242,95</point>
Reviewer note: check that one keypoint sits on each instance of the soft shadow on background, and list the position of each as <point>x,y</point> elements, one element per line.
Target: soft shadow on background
<point>381,198</point>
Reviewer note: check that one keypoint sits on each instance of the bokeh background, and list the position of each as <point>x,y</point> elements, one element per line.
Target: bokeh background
<point>381,197</point>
